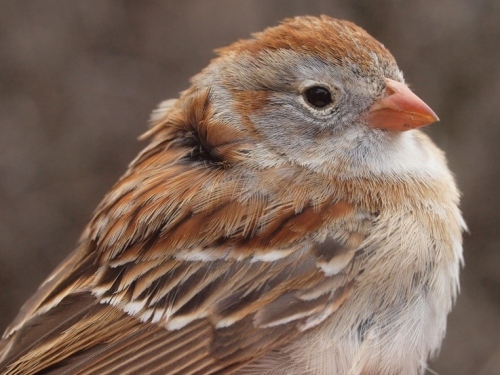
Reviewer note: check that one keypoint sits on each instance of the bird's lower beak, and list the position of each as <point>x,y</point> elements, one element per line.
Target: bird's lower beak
<point>400,110</point>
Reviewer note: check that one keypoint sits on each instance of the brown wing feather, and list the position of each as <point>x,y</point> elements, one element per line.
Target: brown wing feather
<point>188,269</point>
<point>258,303</point>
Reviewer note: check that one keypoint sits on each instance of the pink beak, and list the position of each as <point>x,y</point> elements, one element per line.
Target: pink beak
<point>400,110</point>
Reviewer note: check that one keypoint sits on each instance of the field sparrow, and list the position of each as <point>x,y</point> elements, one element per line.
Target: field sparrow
<point>287,217</point>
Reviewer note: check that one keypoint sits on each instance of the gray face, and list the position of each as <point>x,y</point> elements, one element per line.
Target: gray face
<point>293,126</point>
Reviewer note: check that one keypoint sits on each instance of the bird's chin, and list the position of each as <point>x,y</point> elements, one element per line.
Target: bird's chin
<point>374,153</point>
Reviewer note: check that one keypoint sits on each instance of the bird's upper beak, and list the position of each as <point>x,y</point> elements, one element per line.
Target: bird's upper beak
<point>399,110</point>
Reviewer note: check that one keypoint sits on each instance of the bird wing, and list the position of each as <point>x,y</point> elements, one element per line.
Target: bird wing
<point>189,268</point>
<point>180,316</point>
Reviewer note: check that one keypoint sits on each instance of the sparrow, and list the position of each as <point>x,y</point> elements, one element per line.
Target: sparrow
<point>287,217</point>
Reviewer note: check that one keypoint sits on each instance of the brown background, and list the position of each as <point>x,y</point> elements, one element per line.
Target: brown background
<point>78,80</point>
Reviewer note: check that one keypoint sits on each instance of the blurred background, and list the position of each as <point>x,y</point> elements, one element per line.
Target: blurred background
<point>78,80</point>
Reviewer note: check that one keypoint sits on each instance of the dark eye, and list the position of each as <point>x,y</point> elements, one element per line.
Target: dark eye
<point>318,96</point>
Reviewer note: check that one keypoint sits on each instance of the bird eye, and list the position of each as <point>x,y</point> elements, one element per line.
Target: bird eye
<point>318,96</point>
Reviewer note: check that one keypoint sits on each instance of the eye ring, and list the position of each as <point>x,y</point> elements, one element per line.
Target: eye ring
<point>319,98</point>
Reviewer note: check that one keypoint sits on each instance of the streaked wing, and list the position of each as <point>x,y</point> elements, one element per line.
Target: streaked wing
<point>197,317</point>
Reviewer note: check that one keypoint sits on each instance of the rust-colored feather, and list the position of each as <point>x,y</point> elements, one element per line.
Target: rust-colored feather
<point>172,245</point>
